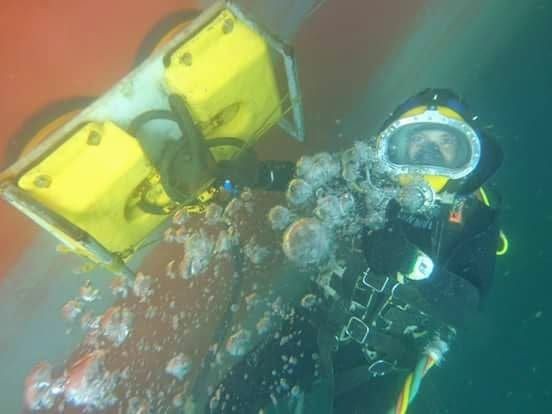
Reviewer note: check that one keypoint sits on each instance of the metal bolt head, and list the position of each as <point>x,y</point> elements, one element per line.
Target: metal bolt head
<point>42,181</point>
<point>94,138</point>
<point>186,59</point>
<point>228,26</point>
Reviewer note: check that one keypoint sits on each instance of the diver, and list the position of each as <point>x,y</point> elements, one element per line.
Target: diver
<point>410,255</point>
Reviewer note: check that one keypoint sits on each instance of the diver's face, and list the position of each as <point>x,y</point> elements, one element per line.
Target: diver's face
<point>432,147</point>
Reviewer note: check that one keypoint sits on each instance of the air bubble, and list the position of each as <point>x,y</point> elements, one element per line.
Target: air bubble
<point>299,192</point>
<point>309,301</point>
<point>279,217</point>
<point>179,366</point>
<point>264,325</point>
<point>239,343</point>
<point>71,310</point>
<point>306,242</point>
<point>318,169</point>
<point>88,293</point>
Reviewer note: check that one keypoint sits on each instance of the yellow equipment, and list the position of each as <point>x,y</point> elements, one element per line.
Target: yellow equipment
<point>98,187</point>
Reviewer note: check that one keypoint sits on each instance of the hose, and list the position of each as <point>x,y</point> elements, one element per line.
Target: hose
<point>433,355</point>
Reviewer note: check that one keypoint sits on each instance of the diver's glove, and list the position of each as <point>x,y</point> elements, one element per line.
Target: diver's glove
<point>241,171</point>
<point>247,171</point>
<point>389,252</point>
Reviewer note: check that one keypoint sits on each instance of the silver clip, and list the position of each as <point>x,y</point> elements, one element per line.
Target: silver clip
<point>357,330</point>
<point>381,367</point>
<point>369,284</point>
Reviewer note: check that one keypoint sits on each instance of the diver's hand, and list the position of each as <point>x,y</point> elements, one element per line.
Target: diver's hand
<point>388,251</point>
<point>242,171</point>
<point>248,171</point>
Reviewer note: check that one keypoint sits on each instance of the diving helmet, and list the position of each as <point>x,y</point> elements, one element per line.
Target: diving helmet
<point>434,136</point>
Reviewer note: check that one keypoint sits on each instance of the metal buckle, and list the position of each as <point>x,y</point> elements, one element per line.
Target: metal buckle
<point>381,367</point>
<point>357,329</point>
<point>369,283</point>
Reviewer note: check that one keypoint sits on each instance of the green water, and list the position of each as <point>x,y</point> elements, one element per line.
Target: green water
<point>503,364</point>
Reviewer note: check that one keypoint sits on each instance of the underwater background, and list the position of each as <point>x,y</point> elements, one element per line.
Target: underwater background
<point>502,363</point>
<point>496,54</point>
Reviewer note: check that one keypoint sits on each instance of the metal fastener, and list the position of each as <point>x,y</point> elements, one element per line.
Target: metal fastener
<point>228,26</point>
<point>42,181</point>
<point>94,138</point>
<point>186,59</point>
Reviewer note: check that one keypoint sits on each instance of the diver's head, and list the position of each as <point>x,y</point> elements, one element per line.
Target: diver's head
<point>433,136</point>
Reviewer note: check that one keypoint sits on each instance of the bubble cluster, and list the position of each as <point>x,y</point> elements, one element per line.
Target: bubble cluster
<point>89,383</point>
<point>143,286</point>
<point>231,212</point>
<point>38,388</point>
<point>331,199</point>
<point>169,235</point>
<point>116,324</point>
<point>334,210</point>
<point>224,242</point>
<point>329,196</point>
<point>198,251</point>
<point>318,169</point>
<point>352,164</point>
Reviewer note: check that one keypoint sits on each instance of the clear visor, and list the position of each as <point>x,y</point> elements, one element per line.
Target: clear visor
<point>429,145</point>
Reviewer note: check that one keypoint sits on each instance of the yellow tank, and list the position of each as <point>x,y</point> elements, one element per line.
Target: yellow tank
<point>93,180</point>
<point>225,73</point>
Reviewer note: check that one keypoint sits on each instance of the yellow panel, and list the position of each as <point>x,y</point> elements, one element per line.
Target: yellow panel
<point>442,109</point>
<point>89,180</point>
<point>225,74</point>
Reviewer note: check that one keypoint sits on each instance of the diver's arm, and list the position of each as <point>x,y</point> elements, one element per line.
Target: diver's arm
<point>275,175</point>
<point>474,259</point>
<point>248,171</point>
<point>455,286</point>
